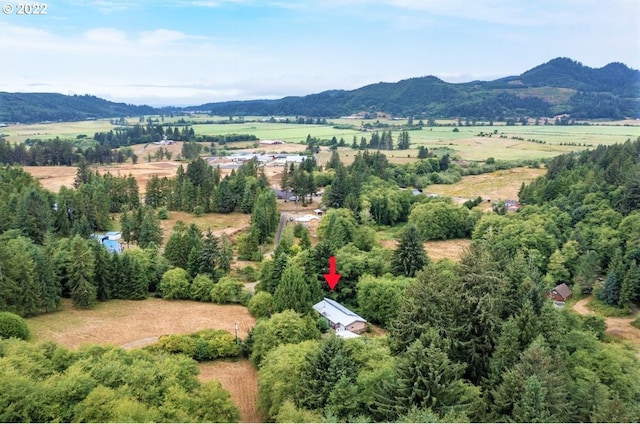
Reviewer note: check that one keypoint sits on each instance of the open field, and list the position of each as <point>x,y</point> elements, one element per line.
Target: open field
<point>240,379</point>
<point>219,223</point>
<point>65,130</point>
<point>54,177</point>
<point>506,143</point>
<point>503,184</point>
<point>125,322</point>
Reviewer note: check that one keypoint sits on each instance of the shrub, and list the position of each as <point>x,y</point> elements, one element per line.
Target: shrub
<point>201,287</point>
<point>229,290</point>
<point>163,213</point>
<point>12,325</point>
<point>261,305</point>
<point>203,345</point>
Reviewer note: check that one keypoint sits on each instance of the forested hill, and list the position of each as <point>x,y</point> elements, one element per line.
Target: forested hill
<point>561,86</point>
<point>38,107</point>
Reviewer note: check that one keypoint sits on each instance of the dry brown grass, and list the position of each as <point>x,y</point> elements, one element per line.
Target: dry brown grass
<point>54,177</point>
<point>219,223</point>
<point>438,249</point>
<point>241,380</point>
<point>503,184</point>
<point>121,322</point>
<point>446,249</point>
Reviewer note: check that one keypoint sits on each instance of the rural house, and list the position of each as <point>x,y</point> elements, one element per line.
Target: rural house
<point>346,323</point>
<point>560,293</point>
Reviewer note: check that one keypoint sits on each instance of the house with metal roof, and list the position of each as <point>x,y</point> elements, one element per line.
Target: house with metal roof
<point>560,293</point>
<point>341,319</point>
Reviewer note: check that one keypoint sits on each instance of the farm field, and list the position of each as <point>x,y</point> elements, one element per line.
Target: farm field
<point>133,323</point>
<point>503,184</point>
<point>240,379</point>
<point>506,142</point>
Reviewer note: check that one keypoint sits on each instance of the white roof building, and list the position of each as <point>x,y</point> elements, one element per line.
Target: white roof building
<point>340,318</point>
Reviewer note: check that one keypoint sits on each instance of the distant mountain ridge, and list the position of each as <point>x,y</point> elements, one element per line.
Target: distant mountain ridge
<point>39,107</point>
<point>560,86</point>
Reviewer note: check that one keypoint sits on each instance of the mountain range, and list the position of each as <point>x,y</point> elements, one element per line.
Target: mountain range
<point>561,86</point>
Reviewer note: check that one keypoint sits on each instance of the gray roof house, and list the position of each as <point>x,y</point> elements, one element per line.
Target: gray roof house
<point>346,323</point>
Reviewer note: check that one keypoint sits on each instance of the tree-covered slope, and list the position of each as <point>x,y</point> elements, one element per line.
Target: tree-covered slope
<point>38,107</point>
<point>557,87</point>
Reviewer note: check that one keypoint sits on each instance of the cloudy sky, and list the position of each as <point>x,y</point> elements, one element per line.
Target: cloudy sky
<point>189,52</point>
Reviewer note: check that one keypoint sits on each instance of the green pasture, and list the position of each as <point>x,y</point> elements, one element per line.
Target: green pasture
<point>504,143</point>
<point>64,130</point>
<point>290,133</point>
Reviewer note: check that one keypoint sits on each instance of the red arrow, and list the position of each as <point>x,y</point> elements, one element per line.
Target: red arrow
<point>332,278</point>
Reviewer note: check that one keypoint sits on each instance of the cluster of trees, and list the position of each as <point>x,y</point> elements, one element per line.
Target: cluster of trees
<point>201,189</point>
<point>36,212</point>
<point>56,152</point>
<point>595,196</point>
<point>142,134</point>
<point>383,141</point>
<point>300,180</point>
<point>516,357</point>
<point>48,383</point>
<point>35,277</point>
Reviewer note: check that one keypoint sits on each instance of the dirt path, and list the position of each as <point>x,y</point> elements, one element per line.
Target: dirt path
<point>241,380</point>
<point>618,328</point>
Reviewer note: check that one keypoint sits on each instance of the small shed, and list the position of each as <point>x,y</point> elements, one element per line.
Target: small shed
<point>560,293</point>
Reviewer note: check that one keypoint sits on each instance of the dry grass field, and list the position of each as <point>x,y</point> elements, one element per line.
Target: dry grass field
<point>134,324</point>
<point>127,322</point>
<point>240,379</point>
<point>497,185</point>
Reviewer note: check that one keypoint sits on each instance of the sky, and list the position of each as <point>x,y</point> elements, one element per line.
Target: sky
<point>190,52</point>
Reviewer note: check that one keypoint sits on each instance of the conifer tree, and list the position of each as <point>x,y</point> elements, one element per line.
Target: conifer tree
<point>293,291</point>
<point>410,256</point>
<point>81,271</point>
<point>150,230</point>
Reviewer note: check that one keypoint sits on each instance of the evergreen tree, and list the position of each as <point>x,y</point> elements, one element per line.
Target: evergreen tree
<point>610,293</point>
<point>208,255</point>
<point>150,230</point>
<point>337,192</point>
<point>81,272</point>
<point>103,272</point>
<point>265,216</point>
<point>293,291</point>
<point>410,256</point>
<point>323,371</point>
<point>428,379</point>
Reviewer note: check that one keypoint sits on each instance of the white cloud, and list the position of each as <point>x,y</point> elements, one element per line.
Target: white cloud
<point>161,36</point>
<point>106,35</point>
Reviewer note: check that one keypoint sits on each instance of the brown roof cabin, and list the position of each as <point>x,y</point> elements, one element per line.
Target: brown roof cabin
<point>561,293</point>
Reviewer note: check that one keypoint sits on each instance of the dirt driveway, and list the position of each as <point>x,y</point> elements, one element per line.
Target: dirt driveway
<point>617,328</point>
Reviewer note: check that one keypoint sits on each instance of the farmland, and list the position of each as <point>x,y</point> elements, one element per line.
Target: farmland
<point>371,258</point>
<point>474,143</point>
